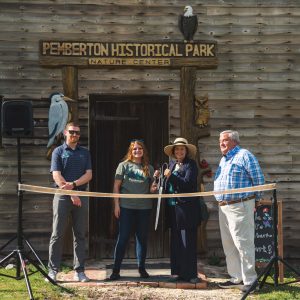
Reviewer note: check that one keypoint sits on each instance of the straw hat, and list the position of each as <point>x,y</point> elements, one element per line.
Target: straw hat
<point>181,142</point>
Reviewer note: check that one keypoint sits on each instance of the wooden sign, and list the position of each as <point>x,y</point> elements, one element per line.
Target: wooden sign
<point>264,236</point>
<point>201,54</point>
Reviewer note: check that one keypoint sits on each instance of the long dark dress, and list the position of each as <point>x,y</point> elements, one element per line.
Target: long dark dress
<point>183,215</point>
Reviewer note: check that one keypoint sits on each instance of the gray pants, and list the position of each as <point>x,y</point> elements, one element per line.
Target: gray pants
<point>62,208</point>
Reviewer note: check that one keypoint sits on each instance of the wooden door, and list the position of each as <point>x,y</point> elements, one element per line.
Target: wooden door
<point>114,121</point>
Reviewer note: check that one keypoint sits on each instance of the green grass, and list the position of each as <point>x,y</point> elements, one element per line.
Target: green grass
<point>11,288</point>
<point>281,292</point>
<point>286,292</point>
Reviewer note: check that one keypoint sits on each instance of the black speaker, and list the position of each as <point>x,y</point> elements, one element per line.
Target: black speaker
<point>16,119</point>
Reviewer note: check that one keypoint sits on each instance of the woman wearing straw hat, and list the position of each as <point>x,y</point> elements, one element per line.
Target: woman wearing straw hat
<point>182,213</point>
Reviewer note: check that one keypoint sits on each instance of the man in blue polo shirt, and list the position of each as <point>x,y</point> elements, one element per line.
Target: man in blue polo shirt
<point>71,170</point>
<point>238,168</point>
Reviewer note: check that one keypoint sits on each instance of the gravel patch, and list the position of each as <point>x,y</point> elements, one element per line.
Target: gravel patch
<point>148,293</point>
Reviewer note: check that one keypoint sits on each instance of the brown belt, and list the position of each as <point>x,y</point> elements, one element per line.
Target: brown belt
<point>224,202</point>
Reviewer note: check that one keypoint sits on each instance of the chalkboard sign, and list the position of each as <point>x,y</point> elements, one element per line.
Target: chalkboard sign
<point>264,239</point>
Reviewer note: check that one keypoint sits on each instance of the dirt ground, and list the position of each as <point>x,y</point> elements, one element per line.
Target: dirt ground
<point>214,275</point>
<point>148,293</point>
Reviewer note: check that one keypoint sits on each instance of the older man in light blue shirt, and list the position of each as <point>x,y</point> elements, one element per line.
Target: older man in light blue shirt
<point>238,168</point>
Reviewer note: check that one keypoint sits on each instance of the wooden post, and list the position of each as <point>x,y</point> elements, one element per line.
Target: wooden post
<point>70,85</point>
<point>187,92</point>
<point>280,241</point>
<point>1,98</point>
<point>191,132</point>
<point>187,107</point>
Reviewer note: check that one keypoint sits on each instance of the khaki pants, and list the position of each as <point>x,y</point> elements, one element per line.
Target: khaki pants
<point>237,233</point>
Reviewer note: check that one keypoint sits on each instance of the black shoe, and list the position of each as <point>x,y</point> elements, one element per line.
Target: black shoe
<point>230,285</point>
<point>114,276</point>
<point>195,280</point>
<point>143,273</point>
<point>246,288</point>
<point>174,278</point>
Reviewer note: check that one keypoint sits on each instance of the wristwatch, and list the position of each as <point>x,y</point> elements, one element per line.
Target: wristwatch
<point>74,184</point>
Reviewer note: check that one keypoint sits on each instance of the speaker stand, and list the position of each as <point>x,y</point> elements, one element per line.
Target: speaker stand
<point>275,259</point>
<point>19,253</point>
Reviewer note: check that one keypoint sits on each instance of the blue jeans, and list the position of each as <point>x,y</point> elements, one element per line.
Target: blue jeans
<point>128,218</point>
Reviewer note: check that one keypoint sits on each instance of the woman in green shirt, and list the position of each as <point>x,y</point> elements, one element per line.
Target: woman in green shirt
<point>134,175</point>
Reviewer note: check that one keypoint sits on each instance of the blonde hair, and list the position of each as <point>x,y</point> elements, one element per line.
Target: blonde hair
<point>145,158</point>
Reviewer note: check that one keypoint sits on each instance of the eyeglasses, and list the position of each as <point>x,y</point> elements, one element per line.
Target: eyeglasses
<point>72,132</point>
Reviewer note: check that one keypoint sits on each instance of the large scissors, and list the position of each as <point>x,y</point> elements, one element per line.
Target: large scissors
<point>161,181</point>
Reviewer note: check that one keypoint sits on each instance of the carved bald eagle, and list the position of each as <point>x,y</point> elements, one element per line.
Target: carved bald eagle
<point>188,24</point>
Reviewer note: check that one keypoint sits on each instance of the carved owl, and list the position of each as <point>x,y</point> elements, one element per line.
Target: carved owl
<point>202,113</point>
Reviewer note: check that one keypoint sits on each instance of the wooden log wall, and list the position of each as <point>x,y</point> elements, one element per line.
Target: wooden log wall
<point>254,90</point>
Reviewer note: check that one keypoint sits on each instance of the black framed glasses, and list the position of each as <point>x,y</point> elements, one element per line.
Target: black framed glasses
<point>73,132</point>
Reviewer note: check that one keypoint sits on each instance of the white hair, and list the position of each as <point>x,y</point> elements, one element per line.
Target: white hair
<point>233,135</point>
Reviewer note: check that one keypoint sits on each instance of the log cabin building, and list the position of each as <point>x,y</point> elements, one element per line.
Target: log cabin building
<point>241,72</point>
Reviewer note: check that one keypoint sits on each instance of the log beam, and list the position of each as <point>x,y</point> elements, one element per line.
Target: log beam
<point>70,86</point>
<point>191,132</point>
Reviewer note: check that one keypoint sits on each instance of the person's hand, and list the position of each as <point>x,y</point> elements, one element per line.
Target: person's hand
<point>67,186</point>
<point>167,173</point>
<point>76,201</point>
<point>156,174</point>
<point>258,203</point>
<point>154,187</point>
<point>117,210</point>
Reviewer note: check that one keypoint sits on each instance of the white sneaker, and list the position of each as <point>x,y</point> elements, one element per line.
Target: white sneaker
<point>52,274</point>
<point>81,277</point>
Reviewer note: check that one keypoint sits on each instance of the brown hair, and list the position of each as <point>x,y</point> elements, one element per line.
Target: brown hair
<point>71,124</point>
<point>145,158</point>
